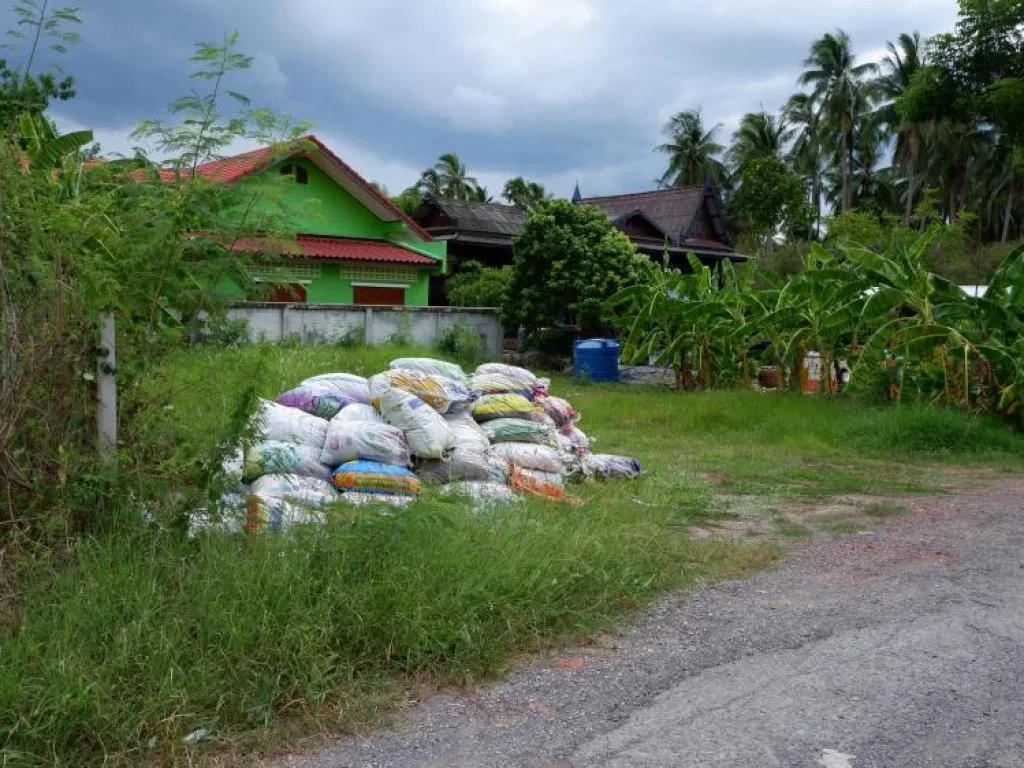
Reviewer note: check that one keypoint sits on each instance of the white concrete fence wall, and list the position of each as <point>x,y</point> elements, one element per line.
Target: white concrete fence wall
<point>375,325</point>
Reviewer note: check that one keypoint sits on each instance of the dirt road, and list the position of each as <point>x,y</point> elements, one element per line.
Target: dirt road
<point>902,647</point>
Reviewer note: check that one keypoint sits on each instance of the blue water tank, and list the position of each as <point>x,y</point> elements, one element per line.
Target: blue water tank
<point>597,359</point>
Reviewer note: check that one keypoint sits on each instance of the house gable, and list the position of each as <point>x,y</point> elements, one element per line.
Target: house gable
<point>321,206</point>
<point>637,226</point>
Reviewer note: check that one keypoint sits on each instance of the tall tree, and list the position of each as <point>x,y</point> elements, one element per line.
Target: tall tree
<point>693,152</point>
<point>519,191</point>
<point>803,113</point>
<point>840,83</point>
<point>905,59</point>
<point>760,135</point>
<point>450,179</point>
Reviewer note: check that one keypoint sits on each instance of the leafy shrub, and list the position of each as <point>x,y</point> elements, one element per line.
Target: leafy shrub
<point>478,286</point>
<point>568,260</point>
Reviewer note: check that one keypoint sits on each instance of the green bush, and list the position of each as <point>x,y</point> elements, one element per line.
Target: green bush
<point>478,286</point>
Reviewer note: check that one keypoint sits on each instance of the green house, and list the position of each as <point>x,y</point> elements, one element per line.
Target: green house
<point>352,245</point>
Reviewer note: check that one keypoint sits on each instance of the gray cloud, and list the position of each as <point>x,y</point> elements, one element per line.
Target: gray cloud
<point>557,90</point>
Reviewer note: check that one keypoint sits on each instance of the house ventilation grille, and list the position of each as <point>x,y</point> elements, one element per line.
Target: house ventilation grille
<point>293,273</point>
<point>380,274</point>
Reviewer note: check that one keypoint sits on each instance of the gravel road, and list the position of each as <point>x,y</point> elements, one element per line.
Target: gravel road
<point>900,647</point>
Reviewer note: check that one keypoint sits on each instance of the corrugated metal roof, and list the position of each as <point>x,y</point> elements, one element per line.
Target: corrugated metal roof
<point>493,218</point>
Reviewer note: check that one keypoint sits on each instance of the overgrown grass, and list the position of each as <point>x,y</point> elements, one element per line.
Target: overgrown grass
<point>145,636</point>
<point>790,446</point>
<point>149,637</point>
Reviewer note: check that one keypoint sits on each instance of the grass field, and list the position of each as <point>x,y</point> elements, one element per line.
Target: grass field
<point>146,636</point>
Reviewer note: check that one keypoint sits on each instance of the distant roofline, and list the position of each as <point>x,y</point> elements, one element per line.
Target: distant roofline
<point>646,192</point>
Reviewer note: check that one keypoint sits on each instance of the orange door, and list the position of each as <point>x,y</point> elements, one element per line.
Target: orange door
<point>378,295</point>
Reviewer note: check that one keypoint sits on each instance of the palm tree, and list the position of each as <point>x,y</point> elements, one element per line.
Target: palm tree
<point>430,184</point>
<point>838,81</point>
<point>869,139</point>
<point>693,152</point>
<point>519,191</point>
<point>478,194</point>
<point>449,179</point>
<point>760,134</point>
<point>958,149</point>
<point>906,58</point>
<point>802,112</point>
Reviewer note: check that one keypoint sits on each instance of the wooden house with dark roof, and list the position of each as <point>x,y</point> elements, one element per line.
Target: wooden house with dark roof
<point>679,220</point>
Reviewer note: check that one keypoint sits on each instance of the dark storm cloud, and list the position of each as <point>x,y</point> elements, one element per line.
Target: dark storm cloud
<point>555,89</point>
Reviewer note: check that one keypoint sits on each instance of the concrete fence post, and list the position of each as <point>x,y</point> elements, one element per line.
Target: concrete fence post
<point>106,388</point>
<point>368,326</point>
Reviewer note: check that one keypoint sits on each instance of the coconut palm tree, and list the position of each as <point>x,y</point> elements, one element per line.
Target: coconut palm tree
<point>803,114</point>
<point>479,194</point>
<point>957,156</point>
<point>905,59</point>
<point>840,84</point>
<point>449,179</point>
<point>692,152</point>
<point>760,134</point>
<point>519,191</point>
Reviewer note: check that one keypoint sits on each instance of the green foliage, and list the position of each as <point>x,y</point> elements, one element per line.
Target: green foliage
<point>22,91</point>
<point>760,135</point>
<point>201,131</point>
<point>693,153</point>
<point>475,285</point>
<point>80,241</point>
<point>519,191</point>
<point>409,200</point>
<point>463,345</point>
<point>686,321</point>
<point>46,150</point>
<point>771,198</point>
<point>881,309</point>
<point>144,636</point>
<point>449,179</point>
<point>568,260</point>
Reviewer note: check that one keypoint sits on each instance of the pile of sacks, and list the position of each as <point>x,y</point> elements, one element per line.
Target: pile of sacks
<point>339,437</point>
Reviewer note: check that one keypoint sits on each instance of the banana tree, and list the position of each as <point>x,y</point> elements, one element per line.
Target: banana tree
<point>913,311</point>
<point>1000,323</point>
<point>816,310</point>
<point>687,321</point>
<point>48,151</point>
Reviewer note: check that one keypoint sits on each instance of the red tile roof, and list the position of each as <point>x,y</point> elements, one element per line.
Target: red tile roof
<point>344,249</point>
<point>361,250</point>
<point>230,169</point>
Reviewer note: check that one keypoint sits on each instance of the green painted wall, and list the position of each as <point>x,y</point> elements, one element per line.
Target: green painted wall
<point>418,293</point>
<point>324,208</point>
<point>329,287</point>
<point>321,207</point>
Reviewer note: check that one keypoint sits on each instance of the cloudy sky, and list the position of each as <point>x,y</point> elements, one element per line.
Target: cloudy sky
<point>555,90</point>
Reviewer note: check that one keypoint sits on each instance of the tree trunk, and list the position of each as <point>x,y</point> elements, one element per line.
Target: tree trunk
<point>908,211</point>
<point>1010,199</point>
<point>952,204</point>
<point>845,161</point>
<point>816,194</point>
